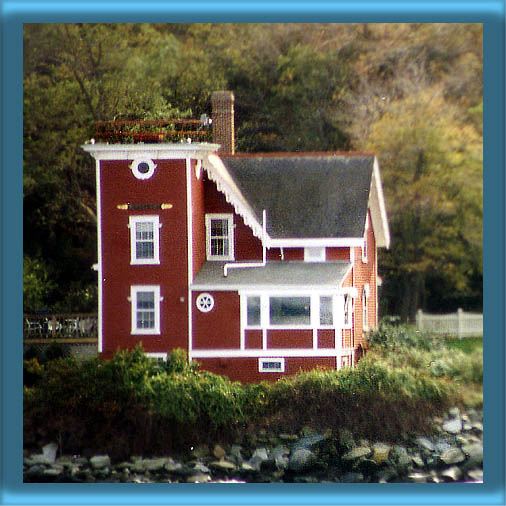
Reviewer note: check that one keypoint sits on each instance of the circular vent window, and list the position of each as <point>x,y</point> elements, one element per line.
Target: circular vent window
<point>205,302</point>
<point>143,168</point>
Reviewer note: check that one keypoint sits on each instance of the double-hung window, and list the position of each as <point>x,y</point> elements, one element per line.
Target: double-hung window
<point>145,302</point>
<point>219,237</point>
<point>144,239</point>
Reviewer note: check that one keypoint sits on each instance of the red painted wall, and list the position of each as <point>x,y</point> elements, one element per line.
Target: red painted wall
<point>289,338</point>
<point>253,339</point>
<point>119,186</point>
<point>220,327</point>
<point>198,220</point>
<point>246,369</point>
<point>326,338</point>
<point>338,254</point>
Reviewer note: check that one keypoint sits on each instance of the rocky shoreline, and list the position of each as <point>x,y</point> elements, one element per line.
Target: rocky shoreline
<point>453,453</point>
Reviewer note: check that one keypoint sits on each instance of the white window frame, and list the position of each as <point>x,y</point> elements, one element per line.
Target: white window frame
<point>230,221</point>
<point>315,254</point>
<point>134,291</point>
<point>314,311</point>
<point>348,300</point>
<point>365,307</point>
<point>263,361</point>
<point>135,167</point>
<point>132,225</point>
<point>156,355</point>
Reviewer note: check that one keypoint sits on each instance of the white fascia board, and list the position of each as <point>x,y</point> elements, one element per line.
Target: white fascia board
<point>378,209</point>
<point>316,242</point>
<point>162,151</point>
<point>264,288</point>
<point>273,352</point>
<point>219,174</point>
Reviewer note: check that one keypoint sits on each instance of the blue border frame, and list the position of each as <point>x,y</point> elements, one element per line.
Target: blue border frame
<point>15,13</point>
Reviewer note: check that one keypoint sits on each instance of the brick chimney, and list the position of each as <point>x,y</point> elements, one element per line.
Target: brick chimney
<point>223,121</point>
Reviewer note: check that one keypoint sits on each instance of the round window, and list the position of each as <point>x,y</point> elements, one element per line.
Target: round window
<point>143,168</point>
<point>205,302</point>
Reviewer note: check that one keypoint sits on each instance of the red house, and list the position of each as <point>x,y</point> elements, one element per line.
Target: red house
<point>258,265</point>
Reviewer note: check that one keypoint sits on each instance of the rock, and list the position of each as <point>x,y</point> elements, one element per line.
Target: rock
<point>475,475</point>
<point>417,460</point>
<point>199,467</point>
<point>100,461</point>
<point>386,475</point>
<point>451,474</point>
<point>280,456</point>
<point>345,438</point>
<point>201,451</point>
<point>399,456</point>
<point>357,453</point>
<point>381,451</point>
<point>219,452</point>
<point>454,412</point>
<point>425,443</point>
<point>198,478</point>
<point>474,452</point>
<point>308,441</point>
<point>452,456</point>
<point>49,451</point>
<point>38,459</point>
<point>172,466</point>
<point>453,426</point>
<point>223,465</point>
<point>153,464</point>
<point>418,477</point>
<point>235,453</point>
<point>288,437</point>
<point>259,455</point>
<point>301,459</point>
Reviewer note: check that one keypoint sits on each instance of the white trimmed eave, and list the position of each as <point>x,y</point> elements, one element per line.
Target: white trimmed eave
<point>378,209</point>
<point>316,242</point>
<point>219,174</point>
<point>161,151</point>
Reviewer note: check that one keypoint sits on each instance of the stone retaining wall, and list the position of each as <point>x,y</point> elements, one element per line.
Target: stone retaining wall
<point>453,453</point>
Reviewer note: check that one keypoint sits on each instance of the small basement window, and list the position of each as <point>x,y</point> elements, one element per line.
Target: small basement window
<point>271,365</point>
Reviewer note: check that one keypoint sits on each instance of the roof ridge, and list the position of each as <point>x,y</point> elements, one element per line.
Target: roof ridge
<point>294,154</point>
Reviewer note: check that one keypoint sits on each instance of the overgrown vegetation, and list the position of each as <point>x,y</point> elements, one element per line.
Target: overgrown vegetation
<point>135,405</point>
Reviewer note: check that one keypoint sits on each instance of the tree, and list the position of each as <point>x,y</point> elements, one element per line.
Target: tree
<point>432,174</point>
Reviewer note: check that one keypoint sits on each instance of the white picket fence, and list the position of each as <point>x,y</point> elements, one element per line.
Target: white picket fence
<point>460,324</point>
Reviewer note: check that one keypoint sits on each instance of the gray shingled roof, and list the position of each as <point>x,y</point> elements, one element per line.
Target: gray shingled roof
<point>306,196</point>
<point>286,274</point>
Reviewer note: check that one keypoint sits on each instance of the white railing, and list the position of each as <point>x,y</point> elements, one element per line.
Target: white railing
<point>460,324</point>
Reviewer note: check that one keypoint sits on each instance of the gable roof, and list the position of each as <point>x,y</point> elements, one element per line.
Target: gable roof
<point>313,196</point>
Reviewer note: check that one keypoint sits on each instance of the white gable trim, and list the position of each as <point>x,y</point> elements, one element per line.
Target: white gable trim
<point>378,209</point>
<point>218,173</point>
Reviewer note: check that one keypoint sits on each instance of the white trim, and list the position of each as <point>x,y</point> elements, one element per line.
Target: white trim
<point>272,352</point>
<point>263,360</point>
<point>365,243</point>
<point>99,253</point>
<point>205,302</point>
<point>143,158</point>
<point>218,173</point>
<point>315,254</point>
<point>156,355</point>
<point>315,242</point>
<point>378,209</point>
<point>189,222</point>
<point>134,289</point>
<point>230,226</point>
<point>159,151</point>
<point>132,224</point>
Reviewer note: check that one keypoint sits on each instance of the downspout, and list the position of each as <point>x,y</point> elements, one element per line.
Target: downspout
<point>248,265</point>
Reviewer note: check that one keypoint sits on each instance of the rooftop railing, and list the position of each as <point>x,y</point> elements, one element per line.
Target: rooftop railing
<point>136,131</point>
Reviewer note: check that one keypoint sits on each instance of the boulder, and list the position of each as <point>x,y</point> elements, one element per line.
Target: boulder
<point>452,456</point>
<point>49,451</point>
<point>357,453</point>
<point>381,451</point>
<point>453,426</point>
<point>301,459</point>
<point>100,461</point>
<point>219,452</point>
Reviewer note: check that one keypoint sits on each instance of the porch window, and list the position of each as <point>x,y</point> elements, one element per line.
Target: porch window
<point>290,311</point>
<point>145,302</point>
<point>144,240</point>
<point>219,237</point>
<point>326,311</point>
<point>253,311</point>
